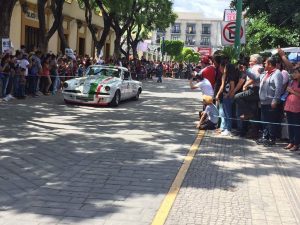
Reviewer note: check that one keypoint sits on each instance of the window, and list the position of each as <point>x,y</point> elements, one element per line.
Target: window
<point>191,29</point>
<point>190,40</point>
<point>81,46</point>
<point>205,28</point>
<point>159,37</point>
<point>205,41</point>
<point>176,28</point>
<point>31,38</point>
<point>175,37</point>
<point>159,30</point>
<point>126,75</point>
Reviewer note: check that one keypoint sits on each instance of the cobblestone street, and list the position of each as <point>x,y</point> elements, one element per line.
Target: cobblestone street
<point>84,165</point>
<point>233,181</point>
<point>114,166</point>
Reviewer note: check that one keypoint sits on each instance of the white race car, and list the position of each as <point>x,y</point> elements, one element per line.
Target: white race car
<point>102,85</point>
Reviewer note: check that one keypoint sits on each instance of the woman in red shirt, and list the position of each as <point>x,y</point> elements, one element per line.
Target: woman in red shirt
<point>292,109</point>
<point>45,78</point>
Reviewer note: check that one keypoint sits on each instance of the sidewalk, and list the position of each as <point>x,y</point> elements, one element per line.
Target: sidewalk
<point>234,181</point>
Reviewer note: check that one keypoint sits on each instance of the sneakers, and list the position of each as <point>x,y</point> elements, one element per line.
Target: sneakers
<point>8,97</point>
<point>226,133</point>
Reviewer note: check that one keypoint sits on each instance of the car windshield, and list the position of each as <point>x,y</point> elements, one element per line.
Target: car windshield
<point>101,71</point>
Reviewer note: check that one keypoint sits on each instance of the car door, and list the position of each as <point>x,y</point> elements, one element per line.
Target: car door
<point>132,87</point>
<point>125,85</point>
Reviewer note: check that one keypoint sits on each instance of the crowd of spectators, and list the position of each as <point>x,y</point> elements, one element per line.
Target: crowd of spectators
<point>256,96</point>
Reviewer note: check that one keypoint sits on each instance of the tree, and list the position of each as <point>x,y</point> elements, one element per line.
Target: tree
<point>5,15</point>
<point>173,48</point>
<point>188,55</point>
<point>121,13</point>
<point>261,35</point>
<point>153,14</point>
<point>90,7</point>
<point>56,7</point>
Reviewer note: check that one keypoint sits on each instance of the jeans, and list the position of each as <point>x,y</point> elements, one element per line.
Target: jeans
<point>270,115</point>
<point>294,131</point>
<point>33,81</point>
<point>246,103</point>
<point>227,108</point>
<point>19,86</point>
<point>222,115</point>
<point>159,80</point>
<point>4,80</point>
<point>16,85</point>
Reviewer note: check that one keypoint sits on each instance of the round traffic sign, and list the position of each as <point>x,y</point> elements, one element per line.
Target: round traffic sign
<point>229,32</point>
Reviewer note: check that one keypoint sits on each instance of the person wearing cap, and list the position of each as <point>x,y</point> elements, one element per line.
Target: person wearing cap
<point>200,83</point>
<point>209,117</point>
<point>208,71</point>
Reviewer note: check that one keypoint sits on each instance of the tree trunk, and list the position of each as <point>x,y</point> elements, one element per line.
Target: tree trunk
<point>56,8</point>
<point>63,42</point>
<point>5,15</point>
<point>99,44</point>
<point>117,51</point>
<point>134,45</point>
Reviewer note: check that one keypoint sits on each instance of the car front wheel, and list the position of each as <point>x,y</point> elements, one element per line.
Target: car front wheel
<point>116,100</point>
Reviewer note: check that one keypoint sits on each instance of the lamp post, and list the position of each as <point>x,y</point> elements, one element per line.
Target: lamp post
<point>237,41</point>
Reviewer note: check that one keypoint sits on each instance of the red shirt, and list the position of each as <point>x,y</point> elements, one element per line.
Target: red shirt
<point>209,73</point>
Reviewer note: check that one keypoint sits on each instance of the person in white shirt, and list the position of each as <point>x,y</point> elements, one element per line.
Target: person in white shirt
<point>202,84</point>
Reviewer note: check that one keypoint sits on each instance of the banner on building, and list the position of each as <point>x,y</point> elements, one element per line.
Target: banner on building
<point>6,45</point>
<point>205,51</point>
<point>228,33</point>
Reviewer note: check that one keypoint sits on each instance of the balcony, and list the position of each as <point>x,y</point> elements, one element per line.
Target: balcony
<point>206,32</point>
<point>160,31</point>
<point>205,43</point>
<point>175,31</point>
<point>190,43</point>
<point>188,31</point>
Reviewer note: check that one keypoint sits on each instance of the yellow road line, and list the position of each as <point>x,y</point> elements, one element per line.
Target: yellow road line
<point>167,204</point>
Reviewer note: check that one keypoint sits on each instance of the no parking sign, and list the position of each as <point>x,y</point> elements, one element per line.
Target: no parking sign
<point>228,33</point>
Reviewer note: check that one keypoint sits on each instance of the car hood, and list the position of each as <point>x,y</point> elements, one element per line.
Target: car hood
<point>92,84</point>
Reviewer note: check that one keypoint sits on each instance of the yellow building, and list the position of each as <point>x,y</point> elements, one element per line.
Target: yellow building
<point>25,24</point>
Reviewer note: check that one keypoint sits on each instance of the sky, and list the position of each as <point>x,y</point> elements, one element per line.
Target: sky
<point>207,8</point>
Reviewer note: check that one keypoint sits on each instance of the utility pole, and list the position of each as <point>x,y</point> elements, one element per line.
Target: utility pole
<point>237,41</point>
<point>162,48</point>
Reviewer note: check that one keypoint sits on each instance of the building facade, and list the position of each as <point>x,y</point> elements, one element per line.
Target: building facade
<point>25,25</point>
<point>202,35</point>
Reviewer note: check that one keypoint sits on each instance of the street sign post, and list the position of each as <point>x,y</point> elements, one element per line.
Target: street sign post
<point>237,42</point>
<point>229,32</point>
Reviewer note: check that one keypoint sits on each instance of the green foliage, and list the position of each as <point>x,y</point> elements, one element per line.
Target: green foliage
<point>262,35</point>
<point>173,48</point>
<point>281,13</point>
<point>187,55</point>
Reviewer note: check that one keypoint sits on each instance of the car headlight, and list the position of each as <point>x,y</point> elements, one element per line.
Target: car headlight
<point>107,88</point>
<point>66,85</point>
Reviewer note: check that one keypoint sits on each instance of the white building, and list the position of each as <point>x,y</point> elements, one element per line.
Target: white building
<point>198,33</point>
